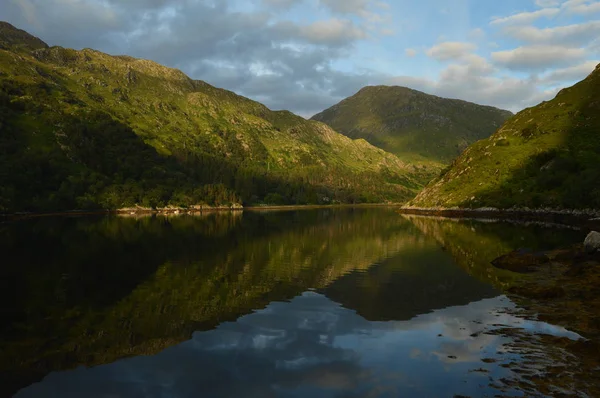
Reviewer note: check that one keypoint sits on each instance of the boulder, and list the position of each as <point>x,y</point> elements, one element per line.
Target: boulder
<point>591,243</point>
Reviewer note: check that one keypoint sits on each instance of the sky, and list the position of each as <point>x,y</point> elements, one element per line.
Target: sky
<point>307,55</point>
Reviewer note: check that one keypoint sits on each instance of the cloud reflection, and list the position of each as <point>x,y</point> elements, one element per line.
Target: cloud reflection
<point>311,346</point>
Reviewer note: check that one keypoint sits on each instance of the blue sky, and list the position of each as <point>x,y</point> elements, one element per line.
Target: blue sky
<point>306,55</point>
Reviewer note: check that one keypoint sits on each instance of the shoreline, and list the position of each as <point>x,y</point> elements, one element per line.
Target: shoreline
<point>79,213</point>
<point>308,207</point>
<point>560,286</point>
<point>586,218</point>
<point>183,211</point>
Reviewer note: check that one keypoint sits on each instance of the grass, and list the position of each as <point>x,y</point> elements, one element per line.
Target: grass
<point>198,134</point>
<point>415,126</point>
<point>545,156</point>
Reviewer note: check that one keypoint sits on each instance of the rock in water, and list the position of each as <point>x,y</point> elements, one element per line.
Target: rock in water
<point>522,261</point>
<point>592,242</point>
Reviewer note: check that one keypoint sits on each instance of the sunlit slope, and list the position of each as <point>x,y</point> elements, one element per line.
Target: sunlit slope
<point>84,129</point>
<point>545,156</point>
<point>413,125</point>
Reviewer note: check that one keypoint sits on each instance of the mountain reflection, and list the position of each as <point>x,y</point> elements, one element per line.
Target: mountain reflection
<point>87,291</point>
<point>310,346</point>
<point>344,303</point>
<point>416,281</point>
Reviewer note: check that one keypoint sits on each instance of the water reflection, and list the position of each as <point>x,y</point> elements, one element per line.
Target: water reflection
<point>473,244</point>
<point>87,291</point>
<point>312,346</point>
<point>393,308</point>
<point>416,281</point>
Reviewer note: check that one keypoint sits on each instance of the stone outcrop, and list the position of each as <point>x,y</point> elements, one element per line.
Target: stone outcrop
<point>592,242</point>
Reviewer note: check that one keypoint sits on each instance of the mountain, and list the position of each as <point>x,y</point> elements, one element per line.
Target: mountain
<point>412,124</point>
<point>545,156</point>
<point>15,39</point>
<point>84,129</point>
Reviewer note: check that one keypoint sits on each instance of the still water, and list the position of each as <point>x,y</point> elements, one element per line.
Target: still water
<point>310,303</point>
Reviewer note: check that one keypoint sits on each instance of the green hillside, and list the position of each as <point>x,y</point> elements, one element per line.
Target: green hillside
<point>545,156</point>
<point>12,38</point>
<point>411,124</point>
<point>83,129</point>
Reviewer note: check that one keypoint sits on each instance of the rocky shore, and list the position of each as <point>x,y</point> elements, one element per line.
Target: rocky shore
<point>562,287</point>
<point>125,211</point>
<point>584,218</point>
<point>566,279</point>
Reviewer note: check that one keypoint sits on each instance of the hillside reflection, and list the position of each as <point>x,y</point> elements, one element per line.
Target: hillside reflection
<point>312,346</point>
<point>91,291</point>
<point>86,291</point>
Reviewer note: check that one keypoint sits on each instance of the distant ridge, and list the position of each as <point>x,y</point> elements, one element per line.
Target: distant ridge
<point>412,124</point>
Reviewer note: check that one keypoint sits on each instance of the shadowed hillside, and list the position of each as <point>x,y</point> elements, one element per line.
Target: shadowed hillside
<point>83,129</point>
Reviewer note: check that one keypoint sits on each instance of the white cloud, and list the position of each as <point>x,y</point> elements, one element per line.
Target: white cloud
<point>538,58</point>
<point>293,63</point>
<point>574,35</point>
<point>526,17</point>
<point>570,74</point>
<point>332,31</point>
<point>450,50</point>
<point>482,87</point>
<point>581,7</point>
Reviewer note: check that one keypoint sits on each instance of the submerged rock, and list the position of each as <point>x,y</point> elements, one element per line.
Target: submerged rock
<point>565,291</point>
<point>539,291</point>
<point>592,242</point>
<point>521,261</point>
<point>566,286</point>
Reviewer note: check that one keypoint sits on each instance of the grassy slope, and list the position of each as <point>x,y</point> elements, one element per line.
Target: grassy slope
<point>11,38</point>
<point>412,124</point>
<point>195,133</point>
<point>545,156</point>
